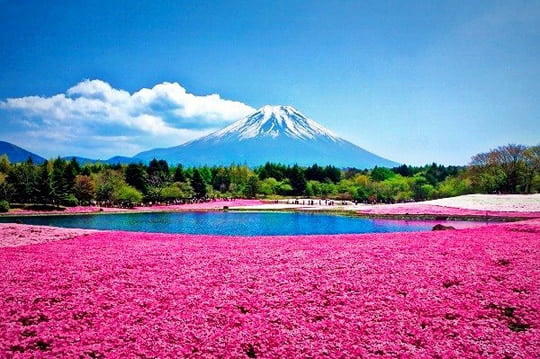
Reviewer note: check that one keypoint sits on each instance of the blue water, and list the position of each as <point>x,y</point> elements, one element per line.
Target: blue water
<point>231,223</point>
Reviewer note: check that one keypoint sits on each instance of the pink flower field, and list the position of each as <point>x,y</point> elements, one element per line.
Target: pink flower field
<point>211,205</point>
<point>421,208</point>
<point>14,235</point>
<point>448,294</point>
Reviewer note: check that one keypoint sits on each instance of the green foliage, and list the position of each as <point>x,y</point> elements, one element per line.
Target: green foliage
<point>506,169</point>
<point>198,184</point>
<point>44,186</point>
<point>298,180</point>
<point>454,186</point>
<point>511,168</point>
<point>379,174</point>
<point>268,186</point>
<point>179,175</point>
<point>22,178</point>
<point>136,176</point>
<point>70,201</point>
<point>5,165</point>
<point>4,206</point>
<point>177,190</point>
<point>127,194</point>
<point>252,187</point>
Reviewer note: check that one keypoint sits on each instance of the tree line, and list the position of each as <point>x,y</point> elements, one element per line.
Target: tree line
<point>59,182</point>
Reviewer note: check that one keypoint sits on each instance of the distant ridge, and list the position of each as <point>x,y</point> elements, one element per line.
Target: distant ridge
<point>18,154</point>
<point>279,134</point>
<point>111,161</point>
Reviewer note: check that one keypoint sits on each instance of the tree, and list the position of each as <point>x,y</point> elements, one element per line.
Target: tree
<point>5,165</point>
<point>177,190</point>
<point>532,160</point>
<point>268,186</point>
<point>252,186</point>
<point>315,173</point>
<point>71,170</point>
<point>507,163</point>
<point>381,173</point>
<point>127,195</point>
<point>221,179</point>
<point>159,169</point>
<point>198,184</point>
<point>60,187</point>
<point>332,173</point>
<point>44,186</point>
<point>179,175</point>
<point>84,188</point>
<point>421,189</point>
<point>22,179</point>
<point>298,180</point>
<point>136,176</point>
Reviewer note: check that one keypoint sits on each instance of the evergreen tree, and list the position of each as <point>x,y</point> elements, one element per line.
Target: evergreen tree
<point>179,175</point>
<point>298,180</point>
<point>136,176</point>
<point>59,185</point>
<point>198,184</point>
<point>44,186</point>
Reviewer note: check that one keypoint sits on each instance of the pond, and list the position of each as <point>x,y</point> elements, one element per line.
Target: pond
<point>234,223</point>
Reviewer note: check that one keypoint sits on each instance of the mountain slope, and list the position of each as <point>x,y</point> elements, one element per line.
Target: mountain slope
<point>273,133</point>
<point>18,154</point>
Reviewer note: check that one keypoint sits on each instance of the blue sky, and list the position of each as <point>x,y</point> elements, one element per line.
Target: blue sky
<point>413,81</point>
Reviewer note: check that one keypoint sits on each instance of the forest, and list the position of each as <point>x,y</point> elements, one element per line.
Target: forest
<point>59,182</point>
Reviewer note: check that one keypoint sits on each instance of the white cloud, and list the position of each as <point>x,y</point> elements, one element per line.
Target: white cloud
<point>92,110</point>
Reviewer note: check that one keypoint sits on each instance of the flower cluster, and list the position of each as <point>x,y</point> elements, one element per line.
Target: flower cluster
<point>450,294</point>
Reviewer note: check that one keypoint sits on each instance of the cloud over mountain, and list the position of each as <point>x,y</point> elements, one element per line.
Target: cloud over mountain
<point>93,111</point>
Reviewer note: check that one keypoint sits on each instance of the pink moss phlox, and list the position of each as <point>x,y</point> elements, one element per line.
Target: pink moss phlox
<point>452,294</point>
<point>211,205</point>
<point>428,209</point>
<point>12,235</point>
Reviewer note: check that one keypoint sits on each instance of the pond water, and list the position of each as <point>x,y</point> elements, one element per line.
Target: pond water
<point>234,223</point>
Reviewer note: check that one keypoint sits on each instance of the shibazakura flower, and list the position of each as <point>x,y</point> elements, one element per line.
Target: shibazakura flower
<point>464,293</point>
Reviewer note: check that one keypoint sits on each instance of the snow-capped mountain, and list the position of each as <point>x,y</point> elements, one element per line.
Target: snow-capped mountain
<point>278,134</point>
<point>274,121</point>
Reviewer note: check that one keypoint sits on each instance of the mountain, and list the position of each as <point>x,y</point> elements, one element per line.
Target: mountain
<point>278,134</point>
<point>80,160</point>
<point>111,161</point>
<point>18,154</point>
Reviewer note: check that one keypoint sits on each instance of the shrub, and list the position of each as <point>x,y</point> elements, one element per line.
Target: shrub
<point>4,206</point>
<point>70,201</point>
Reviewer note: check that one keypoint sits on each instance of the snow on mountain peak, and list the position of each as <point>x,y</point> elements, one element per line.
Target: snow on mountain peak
<point>275,121</point>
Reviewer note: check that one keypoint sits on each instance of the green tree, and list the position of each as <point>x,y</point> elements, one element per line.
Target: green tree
<point>136,176</point>
<point>298,180</point>
<point>179,175</point>
<point>60,186</point>
<point>22,179</point>
<point>127,195</point>
<point>268,186</point>
<point>379,174</point>
<point>252,187</point>
<point>44,186</point>
<point>198,184</point>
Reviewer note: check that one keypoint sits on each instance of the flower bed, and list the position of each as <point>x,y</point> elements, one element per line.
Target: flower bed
<point>465,293</point>
<point>429,209</point>
<point>179,207</point>
<point>13,235</point>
